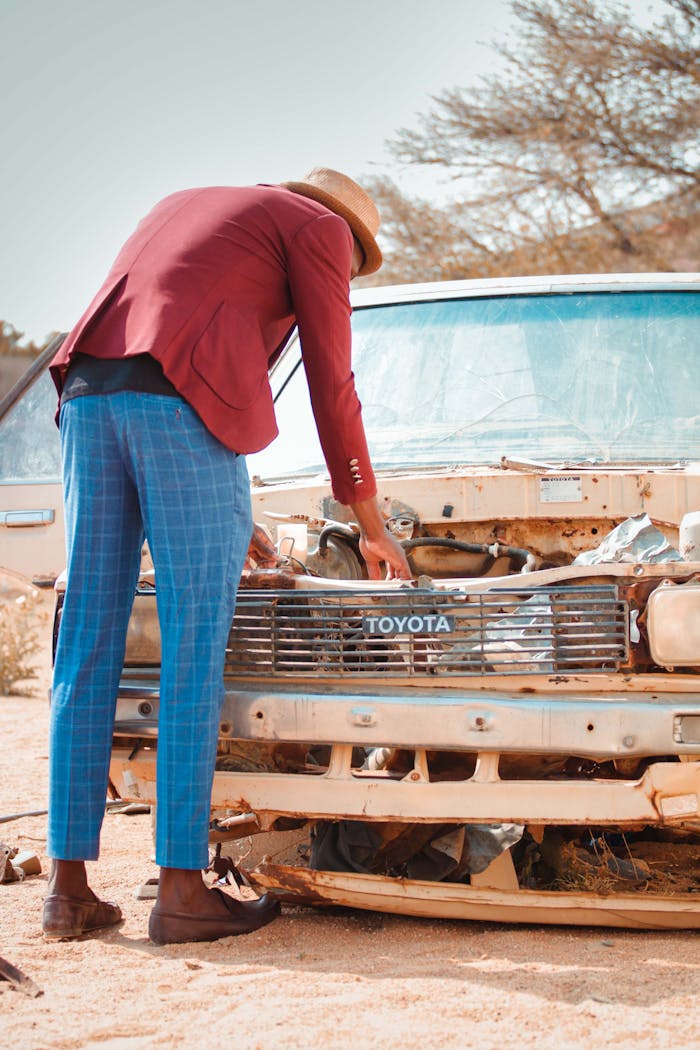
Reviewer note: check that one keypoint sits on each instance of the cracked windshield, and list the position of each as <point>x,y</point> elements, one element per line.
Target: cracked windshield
<point>601,377</point>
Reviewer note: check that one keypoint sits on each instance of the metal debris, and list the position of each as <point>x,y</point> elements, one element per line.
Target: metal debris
<point>635,540</point>
<point>18,980</point>
<point>15,865</point>
<point>18,816</point>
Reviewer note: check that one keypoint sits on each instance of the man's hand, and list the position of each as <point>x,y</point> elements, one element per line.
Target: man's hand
<point>385,549</point>
<point>377,545</point>
<point>261,552</point>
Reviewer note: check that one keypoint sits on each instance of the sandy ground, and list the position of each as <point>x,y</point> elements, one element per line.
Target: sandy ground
<point>312,979</point>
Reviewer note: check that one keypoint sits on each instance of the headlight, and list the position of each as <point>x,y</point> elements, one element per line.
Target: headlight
<point>673,623</point>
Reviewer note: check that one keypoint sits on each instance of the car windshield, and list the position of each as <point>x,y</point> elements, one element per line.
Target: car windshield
<point>601,376</point>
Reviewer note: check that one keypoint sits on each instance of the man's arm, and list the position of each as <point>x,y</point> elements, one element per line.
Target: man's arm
<point>319,265</point>
<point>319,278</point>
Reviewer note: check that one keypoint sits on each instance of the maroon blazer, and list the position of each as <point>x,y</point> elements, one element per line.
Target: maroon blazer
<point>211,283</point>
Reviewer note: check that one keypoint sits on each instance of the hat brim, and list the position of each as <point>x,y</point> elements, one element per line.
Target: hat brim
<point>372,251</point>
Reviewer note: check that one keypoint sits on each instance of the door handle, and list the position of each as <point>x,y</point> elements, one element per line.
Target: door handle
<point>22,519</point>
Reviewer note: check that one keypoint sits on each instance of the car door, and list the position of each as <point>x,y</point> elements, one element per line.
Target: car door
<point>31,506</point>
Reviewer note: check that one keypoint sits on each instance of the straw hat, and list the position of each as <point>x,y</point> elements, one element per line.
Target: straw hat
<point>346,198</point>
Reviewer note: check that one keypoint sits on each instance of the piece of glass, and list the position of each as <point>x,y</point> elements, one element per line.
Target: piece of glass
<point>29,443</point>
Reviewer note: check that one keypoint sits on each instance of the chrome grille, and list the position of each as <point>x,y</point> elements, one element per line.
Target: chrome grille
<point>426,632</point>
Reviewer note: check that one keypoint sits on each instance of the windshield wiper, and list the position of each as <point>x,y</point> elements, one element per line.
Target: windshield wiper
<point>518,463</point>
<point>513,463</point>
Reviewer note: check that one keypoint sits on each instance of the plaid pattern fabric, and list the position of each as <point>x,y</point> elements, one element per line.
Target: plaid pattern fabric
<point>143,464</point>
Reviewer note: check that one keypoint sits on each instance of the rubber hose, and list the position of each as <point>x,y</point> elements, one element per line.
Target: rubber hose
<point>517,554</point>
<point>336,528</point>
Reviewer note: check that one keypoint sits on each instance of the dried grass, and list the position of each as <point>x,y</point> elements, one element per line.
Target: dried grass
<point>578,875</point>
<point>595,872</point>
<point>21,620</point>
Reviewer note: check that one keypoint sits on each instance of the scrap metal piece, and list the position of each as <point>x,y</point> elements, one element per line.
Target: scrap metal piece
<point>19,980</point>
<point>7,873</point>
<point>16,864</point>
<point>5,819</point>
<point>636,540</point>
<point>442,900</point>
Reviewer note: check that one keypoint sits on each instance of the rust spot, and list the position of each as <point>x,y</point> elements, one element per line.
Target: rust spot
<point>655,800</point>
<point>240,805</point>
<point>268,579</point>
<point>288,884</point>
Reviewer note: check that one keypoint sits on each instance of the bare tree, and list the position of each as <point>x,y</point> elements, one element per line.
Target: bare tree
<point>572,158</point>
<point>13,343</point>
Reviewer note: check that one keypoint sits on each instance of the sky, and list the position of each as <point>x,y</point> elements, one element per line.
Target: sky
<point>106,107</point>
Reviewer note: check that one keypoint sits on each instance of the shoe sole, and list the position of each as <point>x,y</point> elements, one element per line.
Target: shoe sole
<point>202,935</point>
<point>74,935</point>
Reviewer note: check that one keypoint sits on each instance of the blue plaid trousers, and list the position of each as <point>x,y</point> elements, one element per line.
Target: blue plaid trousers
<point>138,464</point>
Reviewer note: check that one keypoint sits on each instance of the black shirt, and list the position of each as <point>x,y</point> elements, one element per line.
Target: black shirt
<point>101,375</point>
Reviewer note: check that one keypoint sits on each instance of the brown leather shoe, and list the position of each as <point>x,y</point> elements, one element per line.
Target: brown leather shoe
<point>66,918</point>
<point>182,927</point>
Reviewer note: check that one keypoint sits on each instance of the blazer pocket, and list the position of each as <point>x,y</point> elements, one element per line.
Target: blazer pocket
<point>229,357</point>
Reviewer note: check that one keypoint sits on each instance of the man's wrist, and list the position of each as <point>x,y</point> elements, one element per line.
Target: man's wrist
<point>369,518</point>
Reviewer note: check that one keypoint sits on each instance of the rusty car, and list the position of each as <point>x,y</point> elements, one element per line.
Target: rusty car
<point>516,734</point>
<point>513,735</point>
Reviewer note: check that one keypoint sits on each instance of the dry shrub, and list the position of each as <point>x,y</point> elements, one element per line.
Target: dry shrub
<point>604,872</point>
<point>580,875</point>
<point>19,641</point>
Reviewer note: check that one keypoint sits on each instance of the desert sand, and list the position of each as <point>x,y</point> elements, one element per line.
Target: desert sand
<point>311,978</point>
